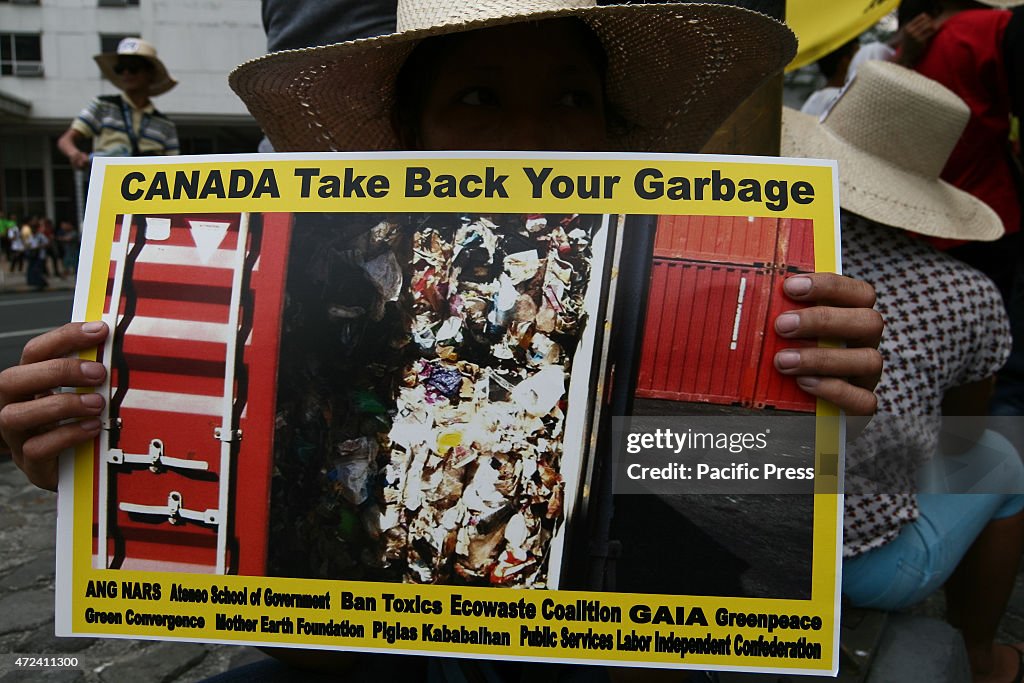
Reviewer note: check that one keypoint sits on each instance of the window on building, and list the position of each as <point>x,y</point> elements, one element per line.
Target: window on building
<point>118,3</point>
<point>110,41</point>
<point>21,54</point>
<point>21,183</point>
<point>20,2</point>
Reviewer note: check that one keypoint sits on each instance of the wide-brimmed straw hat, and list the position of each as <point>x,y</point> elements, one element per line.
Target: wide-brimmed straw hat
<point>675,71</point>
<point>1002,4</point>
<point>892,131</point>
<point>136,47</point>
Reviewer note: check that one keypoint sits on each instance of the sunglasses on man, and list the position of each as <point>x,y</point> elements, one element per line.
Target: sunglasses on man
<point>131,66</point>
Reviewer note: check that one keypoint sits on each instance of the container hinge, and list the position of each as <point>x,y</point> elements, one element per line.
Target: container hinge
<point>174,511</point>
<point>155,459</point>
<point>227,435</point>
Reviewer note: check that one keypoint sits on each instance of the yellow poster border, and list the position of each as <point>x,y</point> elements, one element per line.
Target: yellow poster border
<point>112,187</point>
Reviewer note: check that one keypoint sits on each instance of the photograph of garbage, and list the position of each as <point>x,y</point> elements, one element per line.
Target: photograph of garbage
<point>433,395</point>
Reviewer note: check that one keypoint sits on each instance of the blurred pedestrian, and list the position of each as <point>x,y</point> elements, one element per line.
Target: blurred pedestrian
<point>6,223</point>
<point>36,248</point>
<point>68,236</point>
<point>54,250</point>
<point>127,124</point>
<point>293,25</point>
<point>17,246</point>
<point>974,49</point>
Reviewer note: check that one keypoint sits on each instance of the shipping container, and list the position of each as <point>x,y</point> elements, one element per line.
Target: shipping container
<point>704,332</point>
<point>193,302</point>
<point>720,239</point>
<point>687,249</point>
<point>741,240</point>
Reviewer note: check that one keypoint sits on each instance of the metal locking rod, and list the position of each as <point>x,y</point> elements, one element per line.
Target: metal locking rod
<point>174,511</point>
<point>155,459</point>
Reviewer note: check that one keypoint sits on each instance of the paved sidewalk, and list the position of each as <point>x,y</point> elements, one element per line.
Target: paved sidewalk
<point>14,283</point>
<point>28,519</point>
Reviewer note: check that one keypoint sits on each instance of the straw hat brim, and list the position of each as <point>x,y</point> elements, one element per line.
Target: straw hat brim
<point>675,73</point>
<point>1002,4</point>
<point>162,81</point>
<point>888,194</point>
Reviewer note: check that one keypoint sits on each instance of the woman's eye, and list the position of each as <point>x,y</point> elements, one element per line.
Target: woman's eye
<point>576,99</point>
<point>479,97</point>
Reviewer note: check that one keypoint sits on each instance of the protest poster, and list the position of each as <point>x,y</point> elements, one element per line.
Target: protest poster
<point>361,401</point>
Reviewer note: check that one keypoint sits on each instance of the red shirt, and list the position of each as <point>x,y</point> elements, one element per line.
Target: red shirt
<point>966,56</point>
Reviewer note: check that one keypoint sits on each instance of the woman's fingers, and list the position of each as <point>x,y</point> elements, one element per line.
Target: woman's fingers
<point>829,289</point>
<point>39,430</point>
<point>845,377</point>
<point>839,309</point>
<point>862,366</point>
<point>857,327</point>
<point>38,454</point>
<point>854,400</point>
<point>32,416</point>
<point>63,341</point>
<point>37,421</point>
<point>23,382</point>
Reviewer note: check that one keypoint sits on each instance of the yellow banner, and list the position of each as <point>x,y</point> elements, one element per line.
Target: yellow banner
<point>822,27</point>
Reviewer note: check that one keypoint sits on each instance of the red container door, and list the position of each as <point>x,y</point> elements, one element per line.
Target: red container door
<point>704,332</point>
<point>795,255</point>
<point>720,239</point>
<point>773,389</point>
<point>189,423</point>
<point>688,350</point>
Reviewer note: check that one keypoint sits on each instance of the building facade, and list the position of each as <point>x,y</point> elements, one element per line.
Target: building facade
<point>47,75</point>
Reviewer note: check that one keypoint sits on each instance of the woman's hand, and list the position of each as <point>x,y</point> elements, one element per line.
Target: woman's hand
<point>840,310</point>
<point>37,421</point>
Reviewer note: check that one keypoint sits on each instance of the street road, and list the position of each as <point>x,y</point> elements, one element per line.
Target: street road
<point>23,316</point>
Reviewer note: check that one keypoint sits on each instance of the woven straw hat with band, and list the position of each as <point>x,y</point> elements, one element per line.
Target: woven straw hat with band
<point>136,47</point>
<point>892,131</point>
<point>675,71</point>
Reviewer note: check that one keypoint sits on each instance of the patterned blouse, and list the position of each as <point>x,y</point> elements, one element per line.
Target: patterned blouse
<point>945,326</point>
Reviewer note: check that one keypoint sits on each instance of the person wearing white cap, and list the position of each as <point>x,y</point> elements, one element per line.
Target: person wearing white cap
<point>946,336</point>
<point>127,124</point>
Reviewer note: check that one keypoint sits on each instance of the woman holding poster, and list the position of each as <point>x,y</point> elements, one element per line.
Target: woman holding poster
<point>551,75</point>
